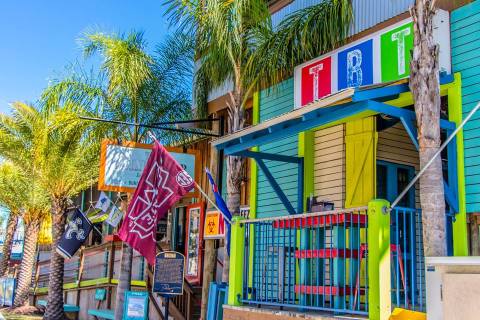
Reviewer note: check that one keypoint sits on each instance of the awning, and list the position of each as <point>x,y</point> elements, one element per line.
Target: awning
<point>328,111</point>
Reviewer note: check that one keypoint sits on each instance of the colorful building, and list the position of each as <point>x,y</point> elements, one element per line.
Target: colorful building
<point>328,142</point>
<point>323,146</point>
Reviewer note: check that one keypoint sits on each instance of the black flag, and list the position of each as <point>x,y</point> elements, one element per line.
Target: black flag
<point>77,231</point>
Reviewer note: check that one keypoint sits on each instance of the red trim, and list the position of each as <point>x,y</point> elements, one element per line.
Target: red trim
<point>324,221</point>
<point>197,279</point>
<point>326,290</point>
<point>326,253</point>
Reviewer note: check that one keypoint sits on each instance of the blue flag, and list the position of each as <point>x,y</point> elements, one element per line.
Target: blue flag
<point>77,231</point>
<point>222,206</point>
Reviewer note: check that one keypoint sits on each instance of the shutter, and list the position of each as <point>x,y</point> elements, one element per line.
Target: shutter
<point>360,153</point>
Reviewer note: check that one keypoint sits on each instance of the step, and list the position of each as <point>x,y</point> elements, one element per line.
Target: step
<point>326,253</point>
<point>347,219</point>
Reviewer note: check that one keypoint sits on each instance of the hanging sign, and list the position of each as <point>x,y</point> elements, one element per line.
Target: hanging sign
<point>121,165</point>
<point>168,274</point>
<point>214,227</point>
<point>383,56</point>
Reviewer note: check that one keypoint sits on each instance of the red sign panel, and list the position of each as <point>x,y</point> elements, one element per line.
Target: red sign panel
<point>316,80</point>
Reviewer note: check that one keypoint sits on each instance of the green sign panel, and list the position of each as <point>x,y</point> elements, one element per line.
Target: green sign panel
<point>395,49</point>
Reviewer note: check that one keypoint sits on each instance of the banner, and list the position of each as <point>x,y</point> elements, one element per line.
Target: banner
<point>163,182</point>
<point>103,202</point>
<point>114,217</point>
<point>78,229</point>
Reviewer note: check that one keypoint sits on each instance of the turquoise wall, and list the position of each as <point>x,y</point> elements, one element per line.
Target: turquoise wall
<point>274,102</point>
<point>465,37</point>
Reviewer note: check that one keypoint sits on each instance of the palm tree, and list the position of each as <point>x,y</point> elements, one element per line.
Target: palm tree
<point>10,200</point>
<point>35,207</point>
<point>236,42</point>
<point>425,87</point>
<point>57,147</point>
<point>133,87</point>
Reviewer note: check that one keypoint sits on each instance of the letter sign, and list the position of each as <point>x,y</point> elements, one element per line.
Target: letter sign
<point>355,66</point>
<point>395,52</point>
<point>316,80</point>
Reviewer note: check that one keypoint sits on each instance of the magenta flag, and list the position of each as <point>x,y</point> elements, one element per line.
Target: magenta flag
<point>163,182</point>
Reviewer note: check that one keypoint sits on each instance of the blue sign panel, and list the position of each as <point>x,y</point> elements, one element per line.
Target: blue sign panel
<point>136,305</point>
<point>168,275</point>
<point>355,66</point>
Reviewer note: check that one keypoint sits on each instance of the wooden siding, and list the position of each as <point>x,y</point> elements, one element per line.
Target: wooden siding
<point>274,102</point>
<point>465,35</point>
<point>394,145</point>
<point>329,165</point>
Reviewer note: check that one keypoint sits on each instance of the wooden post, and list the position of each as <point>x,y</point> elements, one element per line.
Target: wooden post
<point>378,260</point>
<point>111,265</point>
<point>237,254</point>
<point>209,253</point>
<point>474,235</point>
<point>79,276</point>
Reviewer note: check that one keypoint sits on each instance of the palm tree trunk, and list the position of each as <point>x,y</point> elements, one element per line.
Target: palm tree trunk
<point>7,244</point>
<point>125,273</point>
<point>24,279</point>
<point>424,84</point>
<point>234,168</point>
<point>124,281</point>
<point>209,253</point>
<point>54,309</point>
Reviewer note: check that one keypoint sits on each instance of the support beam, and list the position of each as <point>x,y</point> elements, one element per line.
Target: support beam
<point>281,195</point>
<point>411,130</point>
<point>268,156</point>
<point>295,126</point>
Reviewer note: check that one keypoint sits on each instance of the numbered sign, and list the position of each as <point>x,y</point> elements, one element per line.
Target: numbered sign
<point>168,274</point>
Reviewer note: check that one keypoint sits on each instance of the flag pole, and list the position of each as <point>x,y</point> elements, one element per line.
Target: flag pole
<point>152,136</point>
<point>211,202</point>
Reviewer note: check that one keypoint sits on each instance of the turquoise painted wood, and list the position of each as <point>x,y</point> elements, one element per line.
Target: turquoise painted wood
<point>274,102</point>
<point>104,314</point>
<point>465,41</point>
<point>69,308</point>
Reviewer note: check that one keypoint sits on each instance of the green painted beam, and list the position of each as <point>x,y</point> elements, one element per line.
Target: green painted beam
<point>378,259</point>
<point>460,238</point>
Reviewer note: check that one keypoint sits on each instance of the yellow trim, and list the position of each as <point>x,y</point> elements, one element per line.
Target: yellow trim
<point>93,282</point>
<point>136,283</point>
<point>253,185</point>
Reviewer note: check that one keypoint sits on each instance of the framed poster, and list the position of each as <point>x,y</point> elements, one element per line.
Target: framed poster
<point>121,165</point>
<point>136,305</point>
<point>193,242</point>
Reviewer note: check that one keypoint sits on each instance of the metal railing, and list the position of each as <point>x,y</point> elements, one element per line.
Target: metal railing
<point>312,261</point>
<point>408,262</point>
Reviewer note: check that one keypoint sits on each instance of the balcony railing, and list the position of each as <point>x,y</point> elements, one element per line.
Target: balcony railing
<point>322,261</point>
<point>408,268</point>
<point>307,262</point>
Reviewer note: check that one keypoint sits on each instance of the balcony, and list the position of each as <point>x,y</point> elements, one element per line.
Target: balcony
<point>330,262</point>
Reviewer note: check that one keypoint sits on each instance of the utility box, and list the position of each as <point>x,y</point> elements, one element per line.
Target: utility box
<point>453,288</point>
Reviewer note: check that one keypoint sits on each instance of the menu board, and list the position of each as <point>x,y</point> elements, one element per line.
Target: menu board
<point>168,275</point>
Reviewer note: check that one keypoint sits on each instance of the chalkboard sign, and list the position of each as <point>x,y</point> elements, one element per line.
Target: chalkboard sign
<point>168,275</point>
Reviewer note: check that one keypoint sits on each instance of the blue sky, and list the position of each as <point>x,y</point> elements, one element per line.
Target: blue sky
<point>39,38</point>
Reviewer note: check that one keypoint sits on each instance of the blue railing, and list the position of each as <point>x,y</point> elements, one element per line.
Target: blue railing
<point>314,261</point>
<point>408,263</point>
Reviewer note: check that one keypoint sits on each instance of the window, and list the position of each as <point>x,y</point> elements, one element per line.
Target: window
<point>392,179</point>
